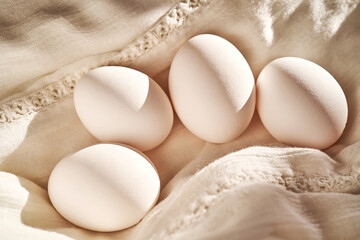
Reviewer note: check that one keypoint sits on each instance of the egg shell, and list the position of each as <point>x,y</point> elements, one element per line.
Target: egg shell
<point>300,103</point>
<point>212,88</point>
<point>119,104</point>
<point>105,187</point>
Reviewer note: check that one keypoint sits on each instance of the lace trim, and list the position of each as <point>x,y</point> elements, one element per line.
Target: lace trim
<point>172,21</point>
<point>342,184</point>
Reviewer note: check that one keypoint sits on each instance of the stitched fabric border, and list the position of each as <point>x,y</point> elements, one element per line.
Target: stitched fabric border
<point>297,184</point>
<point>173,20</point>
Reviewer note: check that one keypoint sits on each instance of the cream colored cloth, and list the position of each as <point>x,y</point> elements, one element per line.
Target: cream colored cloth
<point>251,188</point>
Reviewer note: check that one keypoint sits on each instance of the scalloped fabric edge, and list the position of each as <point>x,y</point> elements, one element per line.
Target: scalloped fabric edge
<point>40,99</point>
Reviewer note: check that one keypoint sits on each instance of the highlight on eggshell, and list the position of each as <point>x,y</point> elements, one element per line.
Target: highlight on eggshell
<point>104,187</point>
<point>119,104</point>
<point>212,88</point>
<point>300,103</point>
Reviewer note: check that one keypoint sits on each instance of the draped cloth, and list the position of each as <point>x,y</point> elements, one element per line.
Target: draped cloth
<point>250,188</point>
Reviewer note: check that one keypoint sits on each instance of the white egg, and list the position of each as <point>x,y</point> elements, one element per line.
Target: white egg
<point>300,103</point>
<point>119,104</point>
<point>105,187</point>
<point>212,88</point>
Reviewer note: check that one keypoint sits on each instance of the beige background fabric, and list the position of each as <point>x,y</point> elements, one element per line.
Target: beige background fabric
<point>40,37</point>
<point>251,188</point>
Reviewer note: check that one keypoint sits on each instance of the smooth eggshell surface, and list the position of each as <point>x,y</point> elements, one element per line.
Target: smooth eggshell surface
<point>104,187</point>
<point>212,88</point>
<point>119,104</point>
<point>300,103</point>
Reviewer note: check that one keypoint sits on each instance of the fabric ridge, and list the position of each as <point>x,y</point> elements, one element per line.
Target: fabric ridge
<point>64,87</point>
